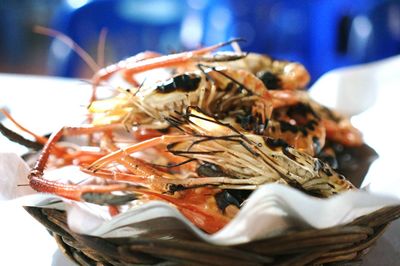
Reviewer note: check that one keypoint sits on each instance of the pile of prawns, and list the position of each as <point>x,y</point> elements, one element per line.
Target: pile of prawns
<point>201,125</point>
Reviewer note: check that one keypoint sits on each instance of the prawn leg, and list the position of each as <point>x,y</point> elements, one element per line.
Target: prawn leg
<point>105,73</point>
<point>38,183</point>
<point>151,61</point>
<point>165,139</point>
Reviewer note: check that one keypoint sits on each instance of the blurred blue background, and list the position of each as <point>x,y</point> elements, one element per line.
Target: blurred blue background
<point>320,34</point>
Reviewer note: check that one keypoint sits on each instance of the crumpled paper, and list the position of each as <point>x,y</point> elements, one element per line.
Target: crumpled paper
<point>271,210</point>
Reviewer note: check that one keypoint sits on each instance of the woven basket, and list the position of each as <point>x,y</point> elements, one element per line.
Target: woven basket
<point>341,245</point>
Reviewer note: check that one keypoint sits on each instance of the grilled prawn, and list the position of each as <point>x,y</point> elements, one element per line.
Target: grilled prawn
<point>275,74</point>
<point>224,157</point>
<point>242,160</point>
<point>231,125</point>
<point>220,92</point>
<point>216,90</point>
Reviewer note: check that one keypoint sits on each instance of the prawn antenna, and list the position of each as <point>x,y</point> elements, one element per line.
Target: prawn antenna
<point>17,138</point>
<point>71,44</point>
<point>174,165</point>
<point>101,47</point>
<point>233,40</point>
<point>175,122</point>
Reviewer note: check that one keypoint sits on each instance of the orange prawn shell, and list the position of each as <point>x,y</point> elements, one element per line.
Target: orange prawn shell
<point>198,206</point>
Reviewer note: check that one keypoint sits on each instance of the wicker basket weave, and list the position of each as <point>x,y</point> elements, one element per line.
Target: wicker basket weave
<point>341,245</point>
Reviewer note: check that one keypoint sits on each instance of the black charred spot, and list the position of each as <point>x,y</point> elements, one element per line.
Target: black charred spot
<point>224,199</point>
<point>270,80</point>
<point>171,146</point>
<point>229,87</point>
<point>184,83</point>
<point>327,171</point>
<point>174,188</point>
<point>303,110</point>
<point>209,170</point>
<point>252,123</point>
<point>285,126</point>
<point>315,193</point>
<point>310,125</point>
<point>246,121</point>
<point>163,130</point>
<point>286,151</point>
<point>240,195</point>
<point>293,183</point>
<point>273,144</point>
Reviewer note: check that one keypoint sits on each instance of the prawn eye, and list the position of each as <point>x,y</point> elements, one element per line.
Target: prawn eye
<point>209,170</point>
<point>270,80</point>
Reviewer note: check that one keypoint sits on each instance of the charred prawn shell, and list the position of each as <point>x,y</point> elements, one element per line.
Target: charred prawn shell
<point>262,159</point>
<point>217,91</point>
<point>225,198</point>
<point>270,80</point>
<point>183,83</point>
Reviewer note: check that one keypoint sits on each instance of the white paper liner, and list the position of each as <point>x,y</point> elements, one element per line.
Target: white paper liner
<point>271,210</point>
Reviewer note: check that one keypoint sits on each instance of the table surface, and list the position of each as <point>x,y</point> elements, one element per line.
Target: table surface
<point>44,104</point>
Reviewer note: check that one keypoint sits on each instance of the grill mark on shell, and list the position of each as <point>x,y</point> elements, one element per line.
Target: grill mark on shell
<point>184,83</point>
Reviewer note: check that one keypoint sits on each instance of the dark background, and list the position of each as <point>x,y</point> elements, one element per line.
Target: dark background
<point>321,34</point>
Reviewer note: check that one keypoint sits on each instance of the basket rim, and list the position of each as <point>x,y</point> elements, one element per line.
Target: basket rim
<point>340,243</point>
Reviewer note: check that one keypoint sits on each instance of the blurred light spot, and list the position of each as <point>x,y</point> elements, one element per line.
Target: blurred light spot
<point>360,34</point>
<point>362,26</point>
<point>394,21</point>
<point>220,18</point>
<point>192,31</point>
<point>197,4</point>
<point>77,3</point>
<point>151,11</point>
<point>60,50</point>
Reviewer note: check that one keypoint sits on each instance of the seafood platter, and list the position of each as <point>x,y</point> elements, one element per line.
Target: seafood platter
<point>205,157</point>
